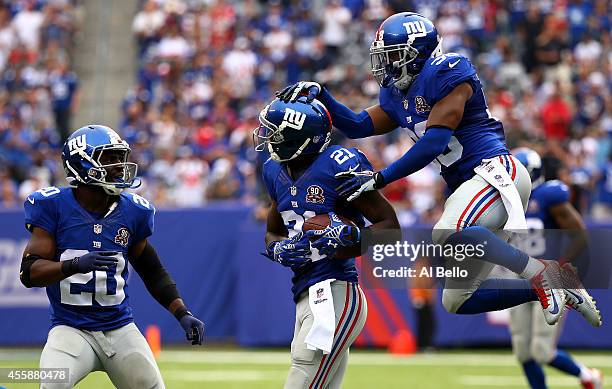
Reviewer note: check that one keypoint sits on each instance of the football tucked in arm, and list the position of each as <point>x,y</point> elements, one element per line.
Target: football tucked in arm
<point>320,222</point>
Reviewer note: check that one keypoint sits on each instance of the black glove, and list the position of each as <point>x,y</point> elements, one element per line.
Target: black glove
<point>193,327</point>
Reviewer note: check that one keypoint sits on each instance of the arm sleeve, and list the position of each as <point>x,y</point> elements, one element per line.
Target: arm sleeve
<point>155,277</point>
<point>425,150</point>
<point>351,124</point>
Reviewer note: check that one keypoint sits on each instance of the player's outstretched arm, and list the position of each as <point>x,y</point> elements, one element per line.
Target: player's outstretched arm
<point>444,118</point>
<point>371,121</point>
<point>161,286</point>
<point>568,218</point>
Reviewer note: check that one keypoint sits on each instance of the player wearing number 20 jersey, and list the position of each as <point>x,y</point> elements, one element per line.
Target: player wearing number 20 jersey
<point>82,238</point>
<point>96,301</point>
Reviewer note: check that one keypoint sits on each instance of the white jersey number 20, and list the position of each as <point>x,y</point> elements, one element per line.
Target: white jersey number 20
<point>102,295</point>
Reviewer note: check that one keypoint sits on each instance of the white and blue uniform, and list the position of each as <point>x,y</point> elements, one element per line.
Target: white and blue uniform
<point>474,201</point>
<point>298,200</point>
<point>91,319</point>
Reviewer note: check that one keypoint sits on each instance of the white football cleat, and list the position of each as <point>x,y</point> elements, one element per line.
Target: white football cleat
<point>547,285</point>
<point>577,297</point>
<point>595,382</point>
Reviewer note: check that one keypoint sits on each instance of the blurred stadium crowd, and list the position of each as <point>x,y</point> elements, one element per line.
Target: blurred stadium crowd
<point>207,67</point>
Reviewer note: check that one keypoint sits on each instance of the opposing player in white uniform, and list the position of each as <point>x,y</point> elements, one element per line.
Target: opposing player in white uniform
<point>82,238</point>
<point>534,342</point>
<point>439,99</point>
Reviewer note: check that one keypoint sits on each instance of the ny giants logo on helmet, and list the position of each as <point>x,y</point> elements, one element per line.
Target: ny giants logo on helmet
<point>77,144</point>
<point>415,29</point>
<point>293,119</point>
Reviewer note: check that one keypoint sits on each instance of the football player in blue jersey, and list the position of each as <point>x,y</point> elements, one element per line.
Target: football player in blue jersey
<point>331,308</point>
<point>439,100</point>
<point>534,342</point>
<point>81,239</point>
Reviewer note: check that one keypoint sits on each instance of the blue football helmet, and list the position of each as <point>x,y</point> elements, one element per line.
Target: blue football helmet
<point>289,130</point>
<point>402,45</point>
<point>96,155</point>
<point>531,160</point>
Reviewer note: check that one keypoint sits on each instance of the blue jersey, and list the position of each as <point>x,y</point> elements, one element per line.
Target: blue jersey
<point>478,135</point>
<point>543,239</point>
<point>313,194</point>
<point>94,301</point>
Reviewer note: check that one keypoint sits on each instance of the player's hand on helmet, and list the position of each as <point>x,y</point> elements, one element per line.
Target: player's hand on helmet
<point>193,327</point>
<point>293,253</point>
<point>355,182</point>
<point>335,236</point>
<point>92,261</point>
<point>291,93</point>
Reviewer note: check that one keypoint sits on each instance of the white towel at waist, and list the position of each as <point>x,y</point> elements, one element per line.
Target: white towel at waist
<point>321,301</point>
<point>496,175</point>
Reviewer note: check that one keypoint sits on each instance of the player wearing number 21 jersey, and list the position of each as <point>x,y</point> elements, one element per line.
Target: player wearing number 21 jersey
<point>82,238</point>
<point>301,179</point>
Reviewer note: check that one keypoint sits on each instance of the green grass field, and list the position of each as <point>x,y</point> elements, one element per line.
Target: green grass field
<point>221,368</point>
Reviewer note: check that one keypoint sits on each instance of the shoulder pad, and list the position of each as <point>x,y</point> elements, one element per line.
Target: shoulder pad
<point>556,192</point>
<point>139,201</point>
<point>442,74</point>
<point>45,194</point>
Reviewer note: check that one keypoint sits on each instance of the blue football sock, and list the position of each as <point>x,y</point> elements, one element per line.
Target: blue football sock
<point>564,362</point>
<point>495,250</point>
<point>496,294</point>
<point>535,375</point>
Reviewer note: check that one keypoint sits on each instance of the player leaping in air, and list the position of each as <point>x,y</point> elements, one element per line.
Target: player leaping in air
<point>331,309</point>
<point>439,99</point>
<point>82,237</point>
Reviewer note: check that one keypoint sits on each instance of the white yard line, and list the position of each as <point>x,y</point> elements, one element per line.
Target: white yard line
<point>281,357</point>
<point>506,381</point>
<point>362,358</point>
<point>224,375</point>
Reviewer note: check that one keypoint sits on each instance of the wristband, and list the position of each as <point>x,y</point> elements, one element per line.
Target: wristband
<point>181,312</point>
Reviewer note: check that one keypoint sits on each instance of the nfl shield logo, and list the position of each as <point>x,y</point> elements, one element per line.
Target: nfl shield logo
<point>293,190</point>
<point>405,104</point>
<point>97,228</point>
<point>319,293</point>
